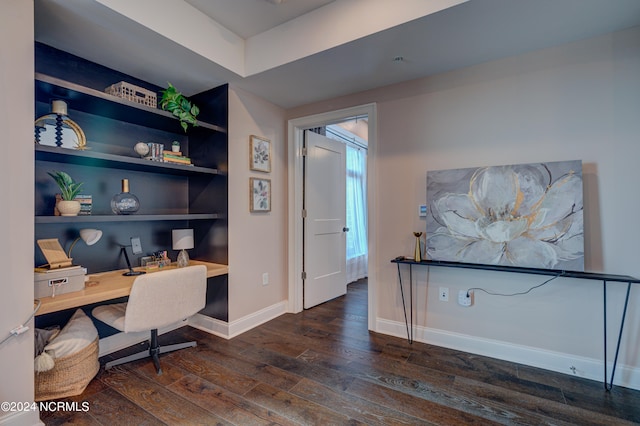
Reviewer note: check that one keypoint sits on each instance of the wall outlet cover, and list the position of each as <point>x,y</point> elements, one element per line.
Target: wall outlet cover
<point>464,298</point>
<point>443,294</point>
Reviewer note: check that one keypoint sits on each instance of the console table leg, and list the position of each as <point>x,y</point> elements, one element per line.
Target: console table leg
<point>608,384</point>
<point>404,307</point>
<point>411,302</point>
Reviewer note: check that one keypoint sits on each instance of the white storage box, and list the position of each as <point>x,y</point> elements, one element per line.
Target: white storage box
<point>58,281</point>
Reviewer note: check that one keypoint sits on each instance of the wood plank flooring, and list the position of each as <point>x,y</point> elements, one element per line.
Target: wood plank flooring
<point>323,367</point>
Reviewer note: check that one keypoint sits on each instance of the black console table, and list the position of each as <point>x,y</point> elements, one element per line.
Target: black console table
<point>608,383</point>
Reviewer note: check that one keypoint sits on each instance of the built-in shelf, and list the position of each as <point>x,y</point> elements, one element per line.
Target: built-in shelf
<point>90,100</point>
<point>172,196</point>
<point>125,218</point>
<point>98,159</point>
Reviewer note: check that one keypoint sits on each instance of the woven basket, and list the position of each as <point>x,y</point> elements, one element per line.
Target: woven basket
<point>70,376</point>
<point>133,93</point>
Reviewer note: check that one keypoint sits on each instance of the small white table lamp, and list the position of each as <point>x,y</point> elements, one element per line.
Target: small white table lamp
<point>183,241</point>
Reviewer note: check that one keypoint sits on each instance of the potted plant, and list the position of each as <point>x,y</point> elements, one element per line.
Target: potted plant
<point>69,189</point>
<point>174,102</point>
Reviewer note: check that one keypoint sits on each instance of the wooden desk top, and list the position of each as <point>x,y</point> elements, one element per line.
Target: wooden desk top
<point>110,285</point>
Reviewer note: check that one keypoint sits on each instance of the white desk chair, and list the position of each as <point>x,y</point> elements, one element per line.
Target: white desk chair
<point>157,300</point>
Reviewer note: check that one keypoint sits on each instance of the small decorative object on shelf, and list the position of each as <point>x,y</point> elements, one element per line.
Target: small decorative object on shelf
<point>86,203</point>
<point>174,102</point>
<point>142,149</point>
<point>125,202</point>
<point>417,255</point>
<point>155,151</point>
<point>133,93</point>
<point>175,147</point>
<point>67,206</point>
<point>85,200</point>
<point>60,123</point>
<point>175,158</point>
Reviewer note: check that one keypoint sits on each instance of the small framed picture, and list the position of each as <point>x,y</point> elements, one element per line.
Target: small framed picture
<point>259,154</point>
<point>259,195</point>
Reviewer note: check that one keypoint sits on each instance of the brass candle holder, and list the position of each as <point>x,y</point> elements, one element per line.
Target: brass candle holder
<point>417,253</point>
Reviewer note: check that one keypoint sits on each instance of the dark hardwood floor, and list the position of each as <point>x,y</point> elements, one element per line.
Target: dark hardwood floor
<point>322,367</point>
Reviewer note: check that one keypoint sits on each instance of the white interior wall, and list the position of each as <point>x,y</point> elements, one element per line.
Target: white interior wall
<point>257,241</point>
<point>577,101</point>
<point>16,216</point>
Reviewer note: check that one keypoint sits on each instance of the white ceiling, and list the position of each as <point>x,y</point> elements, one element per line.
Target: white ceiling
<point>302,51</point>
<point>250,18</point>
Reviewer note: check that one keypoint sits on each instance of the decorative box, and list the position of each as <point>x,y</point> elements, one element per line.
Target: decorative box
<point>133,93</point>
<point>58,281</point>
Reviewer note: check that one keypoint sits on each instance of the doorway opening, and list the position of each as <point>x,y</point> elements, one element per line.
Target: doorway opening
<point>297,127</point>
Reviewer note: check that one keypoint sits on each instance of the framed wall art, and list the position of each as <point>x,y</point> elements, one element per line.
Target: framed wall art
<point>526,215</point>
<point>259,154</point>
<point>259,195</point>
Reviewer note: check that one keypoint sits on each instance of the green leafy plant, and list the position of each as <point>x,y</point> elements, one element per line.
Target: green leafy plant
<point>174,102</point>
<point>68,188</point>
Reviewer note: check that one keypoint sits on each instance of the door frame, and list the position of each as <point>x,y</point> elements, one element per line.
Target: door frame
<point>296,129</point>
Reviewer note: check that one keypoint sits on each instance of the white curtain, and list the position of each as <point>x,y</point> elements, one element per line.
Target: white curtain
<point>356,213</point>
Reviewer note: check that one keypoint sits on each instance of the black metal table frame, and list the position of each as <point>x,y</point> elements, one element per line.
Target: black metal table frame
<point>608,383</point>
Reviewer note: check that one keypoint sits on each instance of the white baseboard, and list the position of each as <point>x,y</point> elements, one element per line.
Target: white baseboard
<point>21,418</point>
<point>210,325</point>
<point>235,328</point>
<point>587,368</point>
<point>219,328</point>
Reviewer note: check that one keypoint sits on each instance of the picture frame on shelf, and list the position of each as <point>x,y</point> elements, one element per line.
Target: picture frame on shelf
<point>259,154</point>
<point>259,195</point>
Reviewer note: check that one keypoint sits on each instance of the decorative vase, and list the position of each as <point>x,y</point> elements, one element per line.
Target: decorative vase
<point>417,253</point>
<point>125,202</point>
<point>68,208</point>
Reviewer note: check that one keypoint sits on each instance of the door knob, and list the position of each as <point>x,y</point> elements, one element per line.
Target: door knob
<point>345,229</point>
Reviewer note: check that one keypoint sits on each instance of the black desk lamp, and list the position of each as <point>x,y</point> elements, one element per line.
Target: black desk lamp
<point>136,248</point>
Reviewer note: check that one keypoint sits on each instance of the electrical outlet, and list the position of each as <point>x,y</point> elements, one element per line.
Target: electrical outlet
<point>443,294</point>
<point>265,278</point>
<point>464,298</point>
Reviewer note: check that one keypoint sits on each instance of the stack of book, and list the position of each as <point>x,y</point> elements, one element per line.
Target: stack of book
<point>175,158</point>
<point>155,151</point>
<point>86,202</point>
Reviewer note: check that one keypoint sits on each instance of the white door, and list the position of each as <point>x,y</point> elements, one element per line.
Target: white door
<point>324,227</point>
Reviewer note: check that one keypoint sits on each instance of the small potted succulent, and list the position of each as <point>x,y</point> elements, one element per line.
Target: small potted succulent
<point>175,102</point>
<point>69,189</point>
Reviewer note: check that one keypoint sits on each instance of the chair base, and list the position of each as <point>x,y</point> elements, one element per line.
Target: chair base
<point>153,352</point>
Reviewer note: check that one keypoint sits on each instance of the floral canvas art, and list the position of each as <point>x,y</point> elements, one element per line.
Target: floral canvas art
<point>526,215</point>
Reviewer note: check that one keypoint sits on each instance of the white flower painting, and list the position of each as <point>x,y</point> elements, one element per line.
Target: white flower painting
<point>528,215</point>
